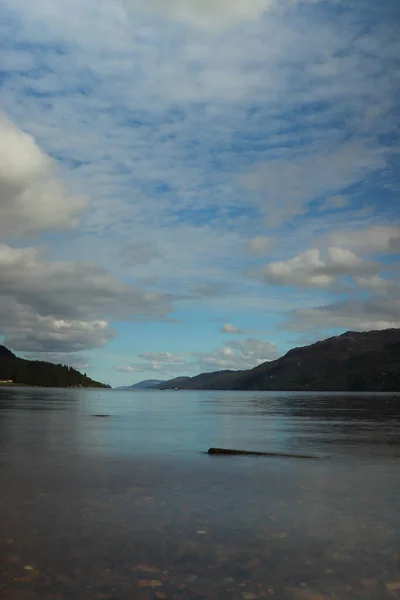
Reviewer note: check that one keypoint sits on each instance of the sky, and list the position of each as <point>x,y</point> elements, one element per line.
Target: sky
<point>196,185</point>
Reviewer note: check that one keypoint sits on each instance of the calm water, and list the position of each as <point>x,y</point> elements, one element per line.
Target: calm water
<point>129,506</point>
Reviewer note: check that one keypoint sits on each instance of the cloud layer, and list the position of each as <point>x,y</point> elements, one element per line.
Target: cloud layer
<point>156,153</point>
<point>380,239</point>
<point>236,354</point>
<point>358,314</point>
<point>65,306</point>
<point>207,14</point>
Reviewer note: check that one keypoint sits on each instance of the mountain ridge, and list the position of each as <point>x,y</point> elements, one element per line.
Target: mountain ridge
<point>146,384</point>
<point>352,361</point>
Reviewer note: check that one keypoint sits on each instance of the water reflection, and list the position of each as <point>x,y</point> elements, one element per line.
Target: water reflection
<point>129,506</point>
<point>30,422</point>
<point>363,422</point>
<point>42,421</point>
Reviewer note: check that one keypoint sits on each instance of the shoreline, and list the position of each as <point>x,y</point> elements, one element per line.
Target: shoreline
<point>58,387</point>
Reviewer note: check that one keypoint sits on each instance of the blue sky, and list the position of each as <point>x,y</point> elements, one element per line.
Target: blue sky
<point>196,185</point>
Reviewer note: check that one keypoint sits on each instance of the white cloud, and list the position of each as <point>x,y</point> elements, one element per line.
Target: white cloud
<point>261,244</point>
<point>32,198</point>
<point>229,328</point>
<point>312,269</point>
<point>382,239</point>
<point>65,306</point>
<point>163,357</point>
<point>207,14</point>
<point>167,371</point>
<point>139,368</point>
<point>167,364</point>
<point>253,348</point>
<point>236,355</point>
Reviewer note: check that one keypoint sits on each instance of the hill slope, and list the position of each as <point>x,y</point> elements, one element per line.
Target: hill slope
<point>217,380</point>
<point>353,361</point>
<point>146,384</point>
<point>35,372</point>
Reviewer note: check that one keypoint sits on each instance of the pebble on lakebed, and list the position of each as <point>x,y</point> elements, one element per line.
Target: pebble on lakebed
<point>393,586</point>
<point>147,568</point>
<point>153,583</point>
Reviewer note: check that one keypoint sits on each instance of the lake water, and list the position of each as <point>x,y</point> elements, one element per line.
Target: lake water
<point>130,506</point>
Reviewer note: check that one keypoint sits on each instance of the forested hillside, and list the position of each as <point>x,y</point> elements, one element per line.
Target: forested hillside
<point>35,372</point>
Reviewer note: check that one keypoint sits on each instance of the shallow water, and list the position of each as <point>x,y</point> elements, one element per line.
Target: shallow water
<point>130,505</point>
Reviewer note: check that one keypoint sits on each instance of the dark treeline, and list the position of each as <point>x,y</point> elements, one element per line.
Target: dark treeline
<point>36,372</point>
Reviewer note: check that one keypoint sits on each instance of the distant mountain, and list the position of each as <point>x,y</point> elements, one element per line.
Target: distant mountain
<point>353,361</point>
<point>37,372</point>
<point>176,382</point>
<point>217,380</point>
<point>147,384</point>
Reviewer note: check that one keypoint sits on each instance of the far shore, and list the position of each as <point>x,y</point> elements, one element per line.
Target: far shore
<point>67,387</point>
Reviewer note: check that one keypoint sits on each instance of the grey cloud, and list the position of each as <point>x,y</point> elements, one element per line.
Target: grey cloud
<point>27,331</point>
<point>65,306</point>
<point>288,185</point>
<point>334,203</point>
<point>380,312</point>
<point>379,285</point>
<point>260,244</point>
<point>211,289</point>
<point>306,339</point>
<point>148,280</point>
<point>138,253</point>
<point>381,239</point>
